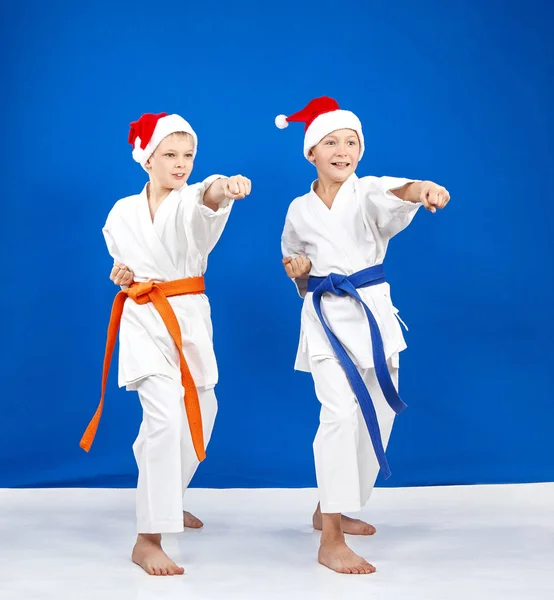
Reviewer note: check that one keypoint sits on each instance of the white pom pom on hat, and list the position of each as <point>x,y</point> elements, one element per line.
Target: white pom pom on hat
<point>281,121</point>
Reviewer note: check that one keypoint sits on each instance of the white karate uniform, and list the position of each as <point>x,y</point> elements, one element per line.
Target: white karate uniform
<point>350,236</point>
<point>175,245</point>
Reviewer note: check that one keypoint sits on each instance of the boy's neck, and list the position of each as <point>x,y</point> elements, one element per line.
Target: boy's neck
<point>327,190</point>
<point>155,194</point>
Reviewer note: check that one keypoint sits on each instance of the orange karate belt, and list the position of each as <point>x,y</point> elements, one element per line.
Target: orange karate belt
<point>157,293</point>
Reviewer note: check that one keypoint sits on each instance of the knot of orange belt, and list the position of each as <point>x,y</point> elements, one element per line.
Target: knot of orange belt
<point>157,293</point>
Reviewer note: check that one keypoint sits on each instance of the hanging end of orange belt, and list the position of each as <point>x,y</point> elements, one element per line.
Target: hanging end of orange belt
<point>198,440</point>
<point>201,454</point>
<point>85,443</point>
<point>196,430</point>
<point>90,432</point>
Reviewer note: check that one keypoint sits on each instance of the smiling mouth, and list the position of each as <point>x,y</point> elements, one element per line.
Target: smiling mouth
<point>179,175</point>
<point>340,164</point>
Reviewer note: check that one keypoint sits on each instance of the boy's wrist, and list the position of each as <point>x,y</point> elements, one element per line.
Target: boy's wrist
<point>413,191</point>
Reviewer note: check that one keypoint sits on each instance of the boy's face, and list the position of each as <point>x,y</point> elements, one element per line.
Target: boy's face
<point>336,156</point>
<point>171,164</point>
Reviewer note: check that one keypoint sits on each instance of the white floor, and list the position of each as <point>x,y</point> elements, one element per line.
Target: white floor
<point>450,543</point>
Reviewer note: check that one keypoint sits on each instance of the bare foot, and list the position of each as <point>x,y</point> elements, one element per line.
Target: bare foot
<point>352,526</point>
<point>149,555</point>
<point>338,557</point>
<point>191,521</point>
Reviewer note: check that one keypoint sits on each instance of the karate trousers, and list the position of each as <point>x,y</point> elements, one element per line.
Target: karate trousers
<point>345,462</point>
<point>164,452</point>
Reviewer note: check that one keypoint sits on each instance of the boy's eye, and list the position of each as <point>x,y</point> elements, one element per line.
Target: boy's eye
<point>189,155</point>
<point>170,154</point>
<point>330,142</point>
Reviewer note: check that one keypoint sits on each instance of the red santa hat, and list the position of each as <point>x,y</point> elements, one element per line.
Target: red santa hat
<point>147,133</point>
<point>322,116</point>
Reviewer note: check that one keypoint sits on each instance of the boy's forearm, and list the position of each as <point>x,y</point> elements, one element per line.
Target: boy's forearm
<point>215,194</point>
<point>410,192</point>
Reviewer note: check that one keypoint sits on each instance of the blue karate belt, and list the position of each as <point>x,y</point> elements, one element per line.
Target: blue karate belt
<point>343,285</point>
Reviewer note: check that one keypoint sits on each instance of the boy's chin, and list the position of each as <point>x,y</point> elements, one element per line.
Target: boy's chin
<point>175,184</point>
<point>340,176</point>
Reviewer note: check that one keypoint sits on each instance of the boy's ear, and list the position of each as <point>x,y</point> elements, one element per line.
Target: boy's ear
<point>311,156</point>
<point>148,165</point>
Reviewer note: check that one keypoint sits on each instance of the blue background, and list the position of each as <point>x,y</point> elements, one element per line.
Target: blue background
<point>459,92</point>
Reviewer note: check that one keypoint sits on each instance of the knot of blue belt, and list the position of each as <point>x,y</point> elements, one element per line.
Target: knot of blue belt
<point>347,285</point>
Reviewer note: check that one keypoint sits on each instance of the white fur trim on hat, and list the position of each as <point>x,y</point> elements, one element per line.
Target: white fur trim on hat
<point>328,122</point>
<point>164,127</point>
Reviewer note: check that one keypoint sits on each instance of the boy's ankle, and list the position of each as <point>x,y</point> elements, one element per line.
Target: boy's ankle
<point>331,541</point>
<point>155,538</point>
